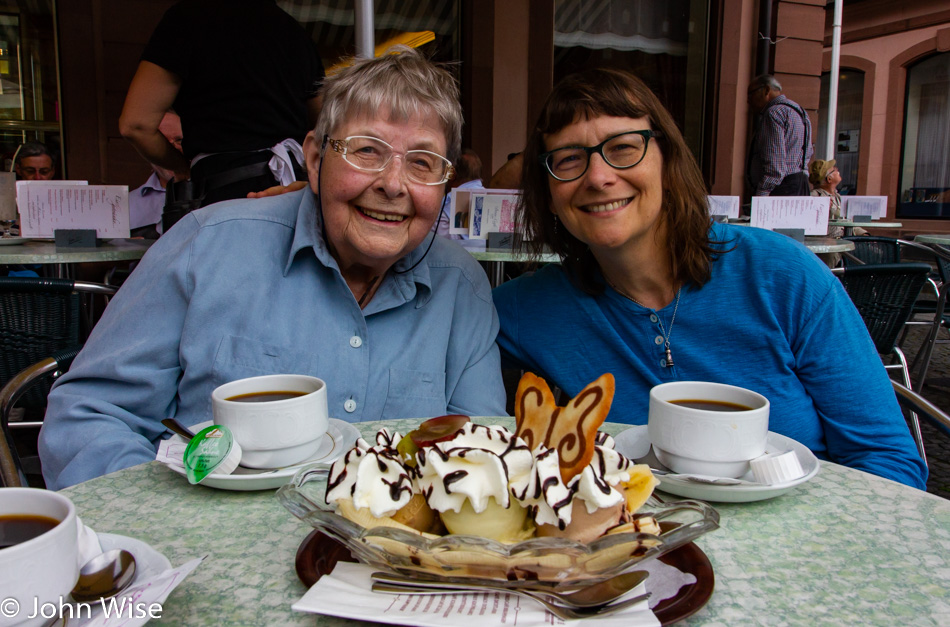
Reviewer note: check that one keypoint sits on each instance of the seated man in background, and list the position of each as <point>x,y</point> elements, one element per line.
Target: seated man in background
<point>343,280</point>
<point>146,202</point>
<point>34,162</point>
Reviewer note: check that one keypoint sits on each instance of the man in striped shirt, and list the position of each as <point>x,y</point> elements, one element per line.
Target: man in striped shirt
<point>781,142</point>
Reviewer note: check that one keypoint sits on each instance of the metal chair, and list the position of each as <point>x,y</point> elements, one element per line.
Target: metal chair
<point>933,311</point>
<point>39,317</point>
<point>915,405</point>
<point>871,250</point>
<point>884,295</point>
<point>14,467</point>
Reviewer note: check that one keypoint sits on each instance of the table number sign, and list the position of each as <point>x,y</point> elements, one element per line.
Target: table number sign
<point>791,212</point>
<point>874,206</point>
<point>493,213</point>
<point>460,218</point>
<point>723,206</point>
<point>45,206</point>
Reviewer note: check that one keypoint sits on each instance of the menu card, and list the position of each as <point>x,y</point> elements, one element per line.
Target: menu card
<point>346,593</point>
<point>45,206</point>
<point>723,206</point>
<point>792,212</point>
<point>874,206</point>
<point>478,212</point>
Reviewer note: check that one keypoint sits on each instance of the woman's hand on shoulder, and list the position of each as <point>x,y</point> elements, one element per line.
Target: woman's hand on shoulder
<point>277,190</point>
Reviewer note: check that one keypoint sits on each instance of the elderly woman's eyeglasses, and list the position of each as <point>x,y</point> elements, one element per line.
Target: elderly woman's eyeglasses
<point>621,151</point>
<point>372,154</point>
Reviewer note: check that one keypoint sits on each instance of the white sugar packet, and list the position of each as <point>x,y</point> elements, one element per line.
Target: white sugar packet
<point>346,592</point>
<point>171,452</point>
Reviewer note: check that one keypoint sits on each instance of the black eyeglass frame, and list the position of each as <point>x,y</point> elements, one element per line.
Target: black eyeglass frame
<point>646,134</point>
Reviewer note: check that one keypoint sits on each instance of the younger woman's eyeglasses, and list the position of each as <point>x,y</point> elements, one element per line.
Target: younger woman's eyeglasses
<point>620,151</point>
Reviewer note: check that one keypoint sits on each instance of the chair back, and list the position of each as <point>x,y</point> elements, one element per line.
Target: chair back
<point>884,295</point>
<point>14,467</point>
<point>40,317</point>
<point>872,250</point>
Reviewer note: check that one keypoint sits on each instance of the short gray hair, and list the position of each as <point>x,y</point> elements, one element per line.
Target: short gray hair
<point>33,149</point>
<point>402,82</point>
<point>765,80</point>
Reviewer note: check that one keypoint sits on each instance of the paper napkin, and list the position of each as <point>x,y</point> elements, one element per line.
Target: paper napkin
<point>126,608</point>
<point>346,592</point>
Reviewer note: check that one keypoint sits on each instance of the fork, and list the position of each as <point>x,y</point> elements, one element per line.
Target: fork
<point>560,611</point>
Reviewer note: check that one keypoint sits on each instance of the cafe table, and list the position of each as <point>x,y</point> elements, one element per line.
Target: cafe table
<point>495,259</point>
<point>827,244</point>
<point>46,252</point>
<point>849,225</point>
<point>845,548</point>
<point>941,239</point>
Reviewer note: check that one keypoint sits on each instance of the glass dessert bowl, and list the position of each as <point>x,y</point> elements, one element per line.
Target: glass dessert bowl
<point>545,562</point>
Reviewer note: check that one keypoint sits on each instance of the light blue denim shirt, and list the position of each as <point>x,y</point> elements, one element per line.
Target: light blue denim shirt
<point>247,288</point>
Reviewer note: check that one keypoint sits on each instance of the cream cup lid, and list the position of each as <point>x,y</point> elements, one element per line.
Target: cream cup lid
<point>213,450</point>
<point>774,468</point>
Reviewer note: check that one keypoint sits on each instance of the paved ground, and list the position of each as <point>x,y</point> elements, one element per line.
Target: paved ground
<point>937,391</point>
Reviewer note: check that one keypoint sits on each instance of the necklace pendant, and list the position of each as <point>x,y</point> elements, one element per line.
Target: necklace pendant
<point>669,358</point>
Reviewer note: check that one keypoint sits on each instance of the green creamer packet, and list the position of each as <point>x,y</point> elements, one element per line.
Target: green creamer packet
<point>212,450</point>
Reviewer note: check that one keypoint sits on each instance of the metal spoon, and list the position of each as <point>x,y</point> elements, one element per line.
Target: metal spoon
<point>597,595</point>
<point>707,479</point>
<point>104,576</point>
<point>174,426</point>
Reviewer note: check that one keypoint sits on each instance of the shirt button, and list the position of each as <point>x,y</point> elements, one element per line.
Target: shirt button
<point>356,341</point>
<point>350,406</point>
<point>658,340</point>
<point>653,318</point>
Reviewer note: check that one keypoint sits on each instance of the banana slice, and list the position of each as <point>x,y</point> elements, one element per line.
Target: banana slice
<point>639,487</point>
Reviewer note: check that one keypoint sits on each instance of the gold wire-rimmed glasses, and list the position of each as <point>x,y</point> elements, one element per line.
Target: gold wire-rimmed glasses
<point>372,154</point>
<point>620,151</point>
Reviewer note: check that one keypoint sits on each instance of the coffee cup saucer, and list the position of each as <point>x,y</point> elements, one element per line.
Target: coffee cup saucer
<point>634,443</point>
<point>340,437</point>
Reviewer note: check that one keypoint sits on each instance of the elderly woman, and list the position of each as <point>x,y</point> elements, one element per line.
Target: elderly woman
<point>343,281</point>
<point>652,291</point>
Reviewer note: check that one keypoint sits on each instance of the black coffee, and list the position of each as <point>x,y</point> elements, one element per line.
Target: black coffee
<point>711,405</point>
<point>22,527</point>
<point>265,397</point>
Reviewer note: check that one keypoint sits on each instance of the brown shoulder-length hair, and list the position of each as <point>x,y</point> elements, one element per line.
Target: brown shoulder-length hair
<point>607,92</point>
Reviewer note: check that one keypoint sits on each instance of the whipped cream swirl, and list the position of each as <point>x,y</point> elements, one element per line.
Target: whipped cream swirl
<point>374,477</point>
<point>598,485</point>
<point>479,463</point>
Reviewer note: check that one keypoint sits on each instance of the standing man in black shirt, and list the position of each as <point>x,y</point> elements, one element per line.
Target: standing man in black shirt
<point>243,76</point>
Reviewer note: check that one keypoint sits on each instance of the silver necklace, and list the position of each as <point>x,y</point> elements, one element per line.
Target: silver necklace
<point>666,335</point>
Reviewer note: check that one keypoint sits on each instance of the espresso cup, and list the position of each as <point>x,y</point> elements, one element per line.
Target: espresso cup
<point>704,428</point>
<point>278,420</point>
<point>43,569</point>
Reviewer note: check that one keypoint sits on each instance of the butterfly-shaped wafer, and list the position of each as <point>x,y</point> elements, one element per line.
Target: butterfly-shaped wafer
<point>571,429</point>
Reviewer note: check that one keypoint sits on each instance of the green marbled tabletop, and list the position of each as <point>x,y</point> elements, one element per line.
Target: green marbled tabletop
<point>46,252</point>
<point>846,548</point>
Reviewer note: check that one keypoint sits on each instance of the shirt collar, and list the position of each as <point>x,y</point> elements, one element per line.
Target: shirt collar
<point>153,184</point>
<point>308,233</point>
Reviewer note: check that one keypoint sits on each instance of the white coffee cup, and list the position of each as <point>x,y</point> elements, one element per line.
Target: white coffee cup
<point>274,433</point>
<point>718,439</point>
<point>41,570</point>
